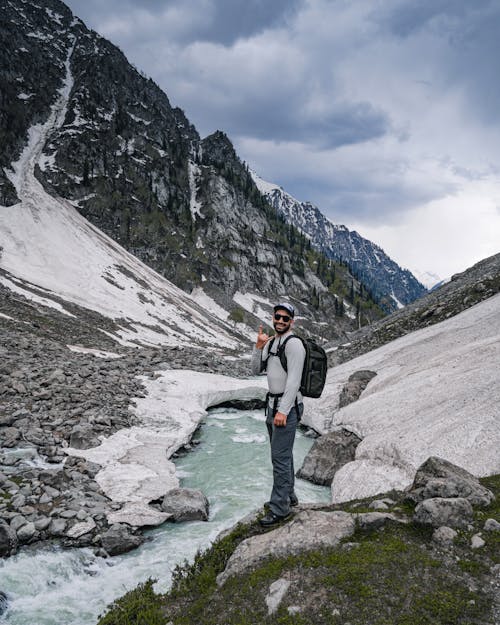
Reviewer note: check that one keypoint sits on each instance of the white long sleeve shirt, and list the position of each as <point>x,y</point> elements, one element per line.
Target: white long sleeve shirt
<point>279,380</point>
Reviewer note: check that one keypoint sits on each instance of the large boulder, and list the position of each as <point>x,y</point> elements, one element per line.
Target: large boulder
<point>119,539</point>
<point>310,529</point>
<point>439,512</point>
<point>327,455</point>
<point>440,478</point>
<point>8,540</point>
<point>185,504</point>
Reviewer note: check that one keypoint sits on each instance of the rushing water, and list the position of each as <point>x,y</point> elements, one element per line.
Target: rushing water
<point>72,587</point>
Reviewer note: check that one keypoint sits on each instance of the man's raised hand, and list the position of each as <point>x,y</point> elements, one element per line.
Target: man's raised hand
<point>262,338</point>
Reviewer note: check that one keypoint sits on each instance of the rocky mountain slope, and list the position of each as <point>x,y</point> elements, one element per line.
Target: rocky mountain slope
<point>391,285</point>
<point>136,168</point>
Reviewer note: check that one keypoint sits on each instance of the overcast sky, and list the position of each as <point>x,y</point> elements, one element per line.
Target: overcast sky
<point>383,113</point>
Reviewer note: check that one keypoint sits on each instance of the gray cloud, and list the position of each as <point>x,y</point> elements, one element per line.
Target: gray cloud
<point>376,112</point>
<point>221,21</point>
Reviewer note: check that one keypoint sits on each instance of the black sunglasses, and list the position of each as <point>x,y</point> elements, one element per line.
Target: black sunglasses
<point>284,318</point>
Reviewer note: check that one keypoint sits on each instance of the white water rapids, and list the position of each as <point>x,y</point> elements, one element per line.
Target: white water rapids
<point>51,586</point>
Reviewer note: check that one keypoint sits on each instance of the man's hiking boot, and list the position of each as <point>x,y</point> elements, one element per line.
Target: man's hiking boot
<point>272,519</point>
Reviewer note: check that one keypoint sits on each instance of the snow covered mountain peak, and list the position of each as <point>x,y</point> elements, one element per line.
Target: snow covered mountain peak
<point>392,285</point>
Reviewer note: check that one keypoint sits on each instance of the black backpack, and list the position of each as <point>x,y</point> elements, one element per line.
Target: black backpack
<point>315,365</point>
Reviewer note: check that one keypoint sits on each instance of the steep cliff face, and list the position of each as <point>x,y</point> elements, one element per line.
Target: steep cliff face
<point>391,285</point>
<point>136,168</point>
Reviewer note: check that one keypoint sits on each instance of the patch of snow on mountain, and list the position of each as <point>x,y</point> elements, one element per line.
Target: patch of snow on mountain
<point>44,301</point>
<point>194,205</point>
<point>47,243</point>
<point>251,302</point>
<point>436,393</point>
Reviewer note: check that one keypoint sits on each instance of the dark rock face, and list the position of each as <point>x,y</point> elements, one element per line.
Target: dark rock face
<point>328,454</point>
<point>356,384</point>
<point>440,478</point>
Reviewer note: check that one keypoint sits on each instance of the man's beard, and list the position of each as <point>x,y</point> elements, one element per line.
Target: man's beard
<point>285,329</point>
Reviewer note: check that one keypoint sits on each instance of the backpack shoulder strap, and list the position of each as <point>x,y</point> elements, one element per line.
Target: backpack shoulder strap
<point>281,350</point>
<point>263,362</point>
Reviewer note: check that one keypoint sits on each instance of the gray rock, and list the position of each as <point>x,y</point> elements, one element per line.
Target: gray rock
<point>7,419</point>
<point>8,540</point>
<point>57,527</point>
<point>491,525</point>
<point>17,522</point>
<point>18,501</point>
<point>26,532</point>
<point>45,498</point>
<point>378,504</point>
<point>185,504</point>
<point>373,520</point>
<point>355,385</point>
<point>276,594</point>
<point>439,478</point>
<point>310,529</point>
<point>10,436</point>
<point>477,542</point>
<point>4,601</point>
<point>83,437</point>
<point>80,529</point>
<point>52,492</point>
<point>327,455</point>
<point>118,539</point>
<point>444,535</point>
<point>42,523</point>
<point>456,512</point>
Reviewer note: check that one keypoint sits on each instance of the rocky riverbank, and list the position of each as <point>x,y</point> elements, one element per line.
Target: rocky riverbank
<point>428,555</point>
<point>53,398</point>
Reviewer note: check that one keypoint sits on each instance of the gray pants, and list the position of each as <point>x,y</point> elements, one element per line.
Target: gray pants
<point>282,439</point>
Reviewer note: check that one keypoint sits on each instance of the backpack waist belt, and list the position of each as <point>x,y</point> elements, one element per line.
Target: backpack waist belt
<point>275,397</point>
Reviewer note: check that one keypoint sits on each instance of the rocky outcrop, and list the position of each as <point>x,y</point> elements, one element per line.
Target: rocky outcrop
<point>445,495</point>
<point>437,477</point>
<point>309,529</point>
<point>8,540</point>
<point>328,453</point>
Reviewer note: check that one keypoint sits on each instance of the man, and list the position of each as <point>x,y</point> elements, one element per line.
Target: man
<point>284,407</point>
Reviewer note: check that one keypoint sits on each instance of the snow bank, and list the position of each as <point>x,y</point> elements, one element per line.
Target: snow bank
<point>135,461</point>
<point>436,393</point>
